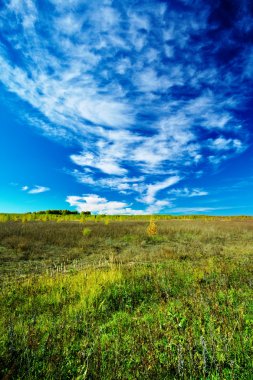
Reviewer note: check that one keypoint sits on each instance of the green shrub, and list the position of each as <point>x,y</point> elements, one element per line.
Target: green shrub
<point>86,231</point>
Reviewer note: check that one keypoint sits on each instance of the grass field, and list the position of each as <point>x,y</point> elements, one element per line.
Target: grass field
<point>102,299</point>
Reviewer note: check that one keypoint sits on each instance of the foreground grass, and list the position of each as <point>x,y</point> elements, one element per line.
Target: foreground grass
<point>178,305</point>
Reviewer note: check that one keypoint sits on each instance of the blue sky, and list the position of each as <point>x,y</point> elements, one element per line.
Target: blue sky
<point>126,107</point>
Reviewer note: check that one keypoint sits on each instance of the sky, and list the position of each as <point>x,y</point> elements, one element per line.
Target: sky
<point>126,106</point>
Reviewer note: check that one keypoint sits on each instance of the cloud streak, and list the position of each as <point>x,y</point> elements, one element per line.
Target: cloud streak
<point>35,189</point>
<point>153,189</point>
<point>188,193</point>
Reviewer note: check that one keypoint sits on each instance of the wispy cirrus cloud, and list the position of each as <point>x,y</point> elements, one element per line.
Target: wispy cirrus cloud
<point>146,191</point>
<point>153,189</point>
<point>144,89</point>
<point>197,210</point>
<point>35,189</point>
<point>189,193</point>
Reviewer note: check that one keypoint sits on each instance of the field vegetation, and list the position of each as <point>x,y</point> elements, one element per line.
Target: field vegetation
<point>85,297</point>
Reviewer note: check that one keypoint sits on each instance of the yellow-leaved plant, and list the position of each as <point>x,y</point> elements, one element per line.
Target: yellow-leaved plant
<point>152,228</point>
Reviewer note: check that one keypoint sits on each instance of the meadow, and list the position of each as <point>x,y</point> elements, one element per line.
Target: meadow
<point>85,297</point>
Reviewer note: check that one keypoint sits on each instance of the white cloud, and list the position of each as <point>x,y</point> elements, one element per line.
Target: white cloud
<point>157,206</point>
<point>193,210</point>
<point>148,80</point>
<point>98,205</point>
<point>224,144</point>
<point>147,192</point>
<point>65,5</point>
<point>120,184</point>
<point>24,188</point>
<point>105,164</point>
<point>185,192</point>
<point>69,24</point>
<point>105,112</point>
<point>38,189</point>
<point>153,189</point>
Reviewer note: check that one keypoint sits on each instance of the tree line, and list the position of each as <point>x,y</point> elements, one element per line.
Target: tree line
<point>61,212</point>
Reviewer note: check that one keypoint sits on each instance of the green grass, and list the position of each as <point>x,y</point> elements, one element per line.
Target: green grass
<point>114,303</point>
